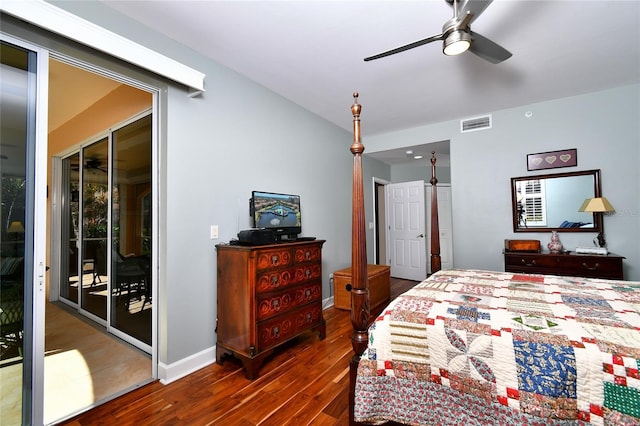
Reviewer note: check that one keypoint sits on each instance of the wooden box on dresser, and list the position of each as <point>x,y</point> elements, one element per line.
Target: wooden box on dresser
<point>571,264</point>
<point>267,295</point>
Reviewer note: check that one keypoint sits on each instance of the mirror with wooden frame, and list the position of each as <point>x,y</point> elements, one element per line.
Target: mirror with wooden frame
<point>545,203</point>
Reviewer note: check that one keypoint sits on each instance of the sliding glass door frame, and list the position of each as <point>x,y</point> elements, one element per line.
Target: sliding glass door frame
<point>34,230</point>
<point>56,218</point>
<point>81,237</point>
<point>38,194</point>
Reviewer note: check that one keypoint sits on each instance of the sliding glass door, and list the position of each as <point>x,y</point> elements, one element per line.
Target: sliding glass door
<point>70,234</point>
<point>95,209</point>
<point>106,231</point>
<point>22,239</point>
<point>131,304</point>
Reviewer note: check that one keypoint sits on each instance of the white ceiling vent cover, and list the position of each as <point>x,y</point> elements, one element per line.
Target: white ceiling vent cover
<point>475,123</point>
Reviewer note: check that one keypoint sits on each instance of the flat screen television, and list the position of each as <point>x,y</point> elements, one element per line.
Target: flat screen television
<point>277,212</point>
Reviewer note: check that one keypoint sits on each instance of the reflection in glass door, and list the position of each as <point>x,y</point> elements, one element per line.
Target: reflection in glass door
<point>95,209</point>
<point>70,282</point>
<point>131,304</point>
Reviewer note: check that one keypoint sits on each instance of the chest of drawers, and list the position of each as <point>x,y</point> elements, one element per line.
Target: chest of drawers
<point>578,265</point>
<point>267,295</point>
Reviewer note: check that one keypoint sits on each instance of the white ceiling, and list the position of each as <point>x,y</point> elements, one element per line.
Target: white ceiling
<point>311,52</point>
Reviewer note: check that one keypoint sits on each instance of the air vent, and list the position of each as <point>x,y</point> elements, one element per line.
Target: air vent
<point>475,123</point>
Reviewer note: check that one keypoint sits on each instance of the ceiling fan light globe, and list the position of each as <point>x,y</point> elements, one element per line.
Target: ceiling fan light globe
<point>456,43</point>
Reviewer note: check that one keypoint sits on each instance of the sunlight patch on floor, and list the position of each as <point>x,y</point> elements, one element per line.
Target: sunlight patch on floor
<point>68,385</point>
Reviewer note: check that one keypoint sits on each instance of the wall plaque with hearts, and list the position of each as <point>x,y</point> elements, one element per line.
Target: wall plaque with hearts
<point>552,159</point>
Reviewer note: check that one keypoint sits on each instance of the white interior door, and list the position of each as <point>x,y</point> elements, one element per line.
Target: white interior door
<point>444,224</point>
<point>406,218</point>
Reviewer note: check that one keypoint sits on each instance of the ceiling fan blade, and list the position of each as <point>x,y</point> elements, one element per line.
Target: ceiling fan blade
<point>487,49</point>
<point>405,47</point>
<point>474,7</point>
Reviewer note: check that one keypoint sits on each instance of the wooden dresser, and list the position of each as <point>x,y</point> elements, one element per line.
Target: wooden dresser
<point>577,265</point>
<point>267,295</point>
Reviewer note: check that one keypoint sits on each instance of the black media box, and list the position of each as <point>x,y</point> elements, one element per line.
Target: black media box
<point>256,237</point>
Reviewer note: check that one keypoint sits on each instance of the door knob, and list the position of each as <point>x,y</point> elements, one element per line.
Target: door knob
<point>420,236</point>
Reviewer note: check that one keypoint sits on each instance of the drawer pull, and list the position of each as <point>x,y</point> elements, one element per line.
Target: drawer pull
<point>275,260</point>
<point>533,262</point>
<point>595,268</point>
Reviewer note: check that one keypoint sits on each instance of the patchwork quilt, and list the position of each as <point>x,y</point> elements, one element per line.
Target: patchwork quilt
<point>470,347</point>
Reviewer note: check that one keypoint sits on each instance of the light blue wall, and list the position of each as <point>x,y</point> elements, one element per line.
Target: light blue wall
<point>215,150</point>
<point>411,173</point>
<point>240,136</point>
<point>603,126</point>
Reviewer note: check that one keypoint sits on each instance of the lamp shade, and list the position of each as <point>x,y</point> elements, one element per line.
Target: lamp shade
<point>598,204</point>
<point>15,227</point>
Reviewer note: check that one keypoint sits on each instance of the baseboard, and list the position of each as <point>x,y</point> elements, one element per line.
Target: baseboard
<point>179,369</point>
<point>168,373</point>
<point>327,303</point>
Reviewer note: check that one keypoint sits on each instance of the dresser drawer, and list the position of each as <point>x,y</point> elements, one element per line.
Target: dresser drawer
<point>279,329</point>
<point>274,258</point>
<point>272,304</point>
<point>273,280</point>
<point>307,254</point>
<point>530,261</point>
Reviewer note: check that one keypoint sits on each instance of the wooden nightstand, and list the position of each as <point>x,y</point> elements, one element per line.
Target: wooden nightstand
<point>579,265</point>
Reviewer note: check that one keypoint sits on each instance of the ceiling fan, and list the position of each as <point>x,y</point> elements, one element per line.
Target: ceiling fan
<point>91,164</point>
<point>457,36</point>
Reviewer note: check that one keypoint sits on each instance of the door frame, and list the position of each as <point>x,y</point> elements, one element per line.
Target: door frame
<point>51,46</point>
<point>379,221</point>
<point>56,214</point>
<point>33,355</point>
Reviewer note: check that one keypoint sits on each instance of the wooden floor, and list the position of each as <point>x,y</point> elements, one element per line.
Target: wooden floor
<point>305,382</point>
<point>83,365</point>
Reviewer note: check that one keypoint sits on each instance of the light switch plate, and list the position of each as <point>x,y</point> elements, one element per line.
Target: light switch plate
<point>214,232</point>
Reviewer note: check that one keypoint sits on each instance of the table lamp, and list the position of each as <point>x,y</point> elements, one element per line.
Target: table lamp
<point>597,205</point>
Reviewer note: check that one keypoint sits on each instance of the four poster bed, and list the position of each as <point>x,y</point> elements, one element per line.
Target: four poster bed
<point>470,347</point>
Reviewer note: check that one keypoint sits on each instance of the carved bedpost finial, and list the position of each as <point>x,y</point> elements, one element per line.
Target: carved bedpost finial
<point>433,180</point>
<point>357,147</point>
<point>355,108</point>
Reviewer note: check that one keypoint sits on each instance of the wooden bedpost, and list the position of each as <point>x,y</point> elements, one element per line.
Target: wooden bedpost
<point>359,284</point>
<point>435,226</point>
